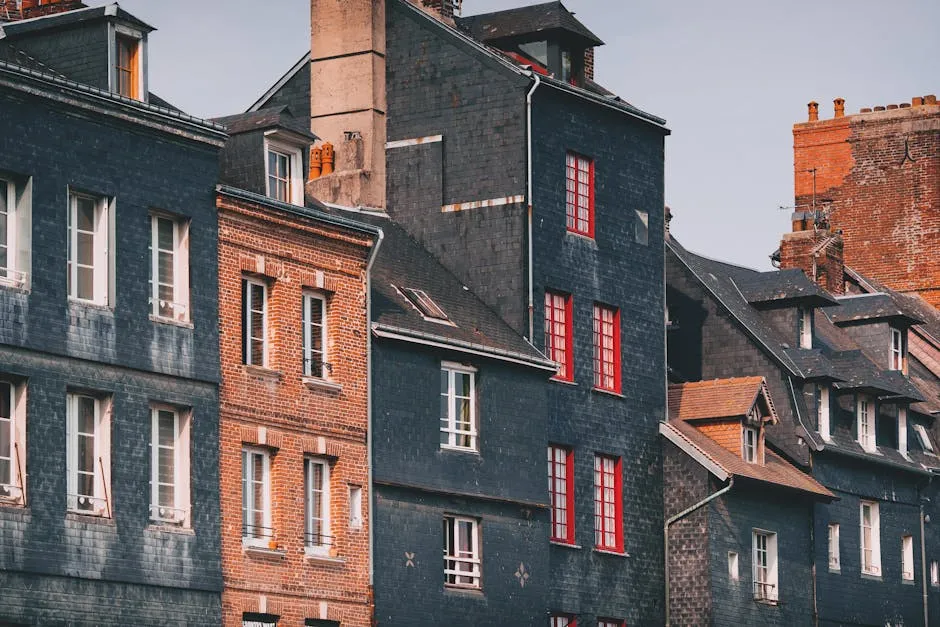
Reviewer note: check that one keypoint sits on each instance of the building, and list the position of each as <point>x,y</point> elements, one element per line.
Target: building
<point>855,410</point>
<point>109,367</point>
<point>294,420</point>
<point>875,176</point>
<point>488,141</point>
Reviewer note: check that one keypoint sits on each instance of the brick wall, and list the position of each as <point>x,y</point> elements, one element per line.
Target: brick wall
<point>881,172</point>
<point>273,409</point>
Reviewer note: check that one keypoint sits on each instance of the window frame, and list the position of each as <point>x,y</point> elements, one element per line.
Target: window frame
<point>764,572</point>
<point>573,209</point>
<point>834,548</point>
<point>903,448</point>
<point>907,558</point>
<point>934,573</point>
<point>865,412</point>
<point>101,249</point>
<point>609,622</point>
<point>641,227</point>
<point>12,228</point>
<point>871,567</point>
<point>325,545</point>
<point>734,561</point>
<point>294,181</point>
<point>452,528</point>
<point>805,327</point>
<point>897,355</point>
<point>602,478</point>
<point>13,491</point>
<point>138,80</point>
<point>750,451</point>
<point>355,507</point>
<point>561,619</point>
<point>600,363</point>
<point>263,539</point>
<point>450,428</point>
<point>99,501</point>
<point>179,512</point>
<point>309,297</point>
<point>180,305</point>
<point>823,411</point>
<point>565,370</point>
<point>923,438</point>
<point>565,497</point>
<point>248,283</point>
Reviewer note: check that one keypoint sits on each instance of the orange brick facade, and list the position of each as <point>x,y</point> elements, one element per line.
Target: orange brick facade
<point>273,409</point>
<point>877,176</point>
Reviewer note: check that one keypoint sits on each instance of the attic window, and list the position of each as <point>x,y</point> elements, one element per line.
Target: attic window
<point>425,305</point>
<point>750,438</point>
<point>923,438</point>
<point>128,49</point>
<point>806,327</point>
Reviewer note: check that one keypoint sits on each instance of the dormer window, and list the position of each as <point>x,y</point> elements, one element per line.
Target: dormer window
<point>283,165</point>
<point>865,423</point>
<point>898,349</point>
<point>822,412</point>
<point>806,327</point>
<point>923,438</point>
<point>750,438</point>
<point>127,56</point>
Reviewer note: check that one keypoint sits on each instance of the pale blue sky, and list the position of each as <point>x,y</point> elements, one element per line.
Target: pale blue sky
<point>730,77</point>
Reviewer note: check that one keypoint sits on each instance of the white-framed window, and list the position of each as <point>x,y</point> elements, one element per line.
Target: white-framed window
<point>458,407</point>
<point>15,230</point>
<point>907,558</point>
<point>865,423</point>
<point>12,443</point>
<point>934,573</point>
<point>806,327</point>
<point>902,430</point>
<point>923,438</point>
<point>835,562</point>
<point>89,230</point>
<point>898,349</point>
<point>870,539</point>
<point>169,465</point>
<point>462,560</point>
<point>88,432</point>
<point>750,443</point>
<point>733,571</point>
<point>822,412</point>
<point>355,507</point>
<point>314,340</point>
<point>317,538</point>
<point>254,322</point>
<point>283,165</point>
<point>765,565</point>
<point>128,49</point>
<point>256,497</point>
<point>169,267</point>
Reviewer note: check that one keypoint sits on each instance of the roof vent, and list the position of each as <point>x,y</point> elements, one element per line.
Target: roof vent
<point>424,303</point>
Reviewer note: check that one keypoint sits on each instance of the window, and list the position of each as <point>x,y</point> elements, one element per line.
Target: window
<point>88,462</point>
<point>641,228</point>
<point>907,558</point>
<point>15,230</point>
<point>562,620</point>
<point>127,66</point>
<point>765,565</point>
<point>283,165</point>
<point>609,622</point>
<point>608,505</point>
<point>462,552</point>
<point>870,538</point>
<point>606,348</point>
<point>733,574</point>
<point>559,333</point>
<point>934,573</point>
<point>561,492</point>
<point>822,411</point>
<point>806,327</point>
<point>430,310</point>
<point>834,561</point>
<point>902,430</point>
<point>255,322</point>
<point>898,349</point>
<point>923,438</point>
<point>256,497</point>
<point>256,619</point>
<point>317,538</point>
<point>750,444</point>
<point>866,424</point>
<point>88,264</point>
<point>314,313</point>
<point>579,202</point>
<point>169,465</point>
<point>169,268</point>
<point>12,443</point>
<point>458,411</point>
<point>355,507</point>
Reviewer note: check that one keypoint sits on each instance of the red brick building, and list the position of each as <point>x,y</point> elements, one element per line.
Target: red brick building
<point>875,175</point>
<point>293,284</point>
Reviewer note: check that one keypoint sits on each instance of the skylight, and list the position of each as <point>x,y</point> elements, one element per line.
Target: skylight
<point>923,438</point>
<point>424,303</point>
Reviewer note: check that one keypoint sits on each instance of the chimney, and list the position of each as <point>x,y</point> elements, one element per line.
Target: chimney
<point>589,63</point>
<point>819,254</point>
<point>813,107</point>
<point>443,10</point>
<point>39,8</point>
<point>668,220</point>
<point>838,106</point>
<point>348,100</point>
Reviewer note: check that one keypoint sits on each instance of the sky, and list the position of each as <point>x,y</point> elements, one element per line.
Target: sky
<point>730,77</point>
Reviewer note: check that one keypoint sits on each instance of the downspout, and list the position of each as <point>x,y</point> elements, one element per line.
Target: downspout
<point>923,557</point>
<point>528,122</point>
<point>676,518</point>
<point>371,501</point>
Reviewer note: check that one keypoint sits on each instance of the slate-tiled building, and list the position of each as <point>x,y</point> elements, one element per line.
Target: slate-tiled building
<point>108,341</point>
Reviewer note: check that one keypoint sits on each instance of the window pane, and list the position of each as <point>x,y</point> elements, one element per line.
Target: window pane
<point>85,214</point>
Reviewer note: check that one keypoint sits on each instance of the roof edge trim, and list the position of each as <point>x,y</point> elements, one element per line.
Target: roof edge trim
<point>686,446</point>
<point>266,96</point>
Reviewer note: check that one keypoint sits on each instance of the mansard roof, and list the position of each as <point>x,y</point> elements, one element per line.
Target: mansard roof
<point>68,18</point>
<point>265,119</point>
<point>783,287</point>
<point>868,307</point>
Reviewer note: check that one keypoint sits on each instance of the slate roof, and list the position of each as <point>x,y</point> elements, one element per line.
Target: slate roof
<point>717,398</point>
<point>775,470</point>
<point>68,18</point>
<point>863,307</point>
<point>403,263</point>
<point>263,119</point>
<point>783,287</point>
<point>529,20</point>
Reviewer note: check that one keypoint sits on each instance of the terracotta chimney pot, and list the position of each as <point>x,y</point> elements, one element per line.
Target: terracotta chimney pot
<point>839,107</point>
<point>930,100</point>
<point>813,107</point>
<point>865,110</point>
<point>917,101</point>
<point>880,108</point>
<point>892,107</point>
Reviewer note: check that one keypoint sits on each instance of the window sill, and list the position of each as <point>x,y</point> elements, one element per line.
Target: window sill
<point>459,449</point>
<point>835,571</point>
<point>563,382</point>
<point>871,577</point>
<point>463,591</point>
<point>262,551</point>
<point>171,322</point>
<point>261,371</point>
<point>771,602</point>
<point>567,545</point>
<point>608,392</point>
<point>611,552</point>
<point>85,517</point>
<point>907,582</point>
<point>160,527</point>
<point>14,286</point>
<point>316,383</point>
<point>88,304</point>
<point>582,236</point>
<point>323,558</point>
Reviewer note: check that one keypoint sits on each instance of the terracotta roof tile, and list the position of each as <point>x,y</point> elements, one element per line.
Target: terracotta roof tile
<point>719,398</point>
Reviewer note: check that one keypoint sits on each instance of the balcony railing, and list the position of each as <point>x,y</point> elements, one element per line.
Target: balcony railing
<point>764,591</point>
<point>168,309</point>
<point>316,540</point>
<point>89,505</point>
<point>11,277</point>
<point>10,492</point>
<point>319,369</point>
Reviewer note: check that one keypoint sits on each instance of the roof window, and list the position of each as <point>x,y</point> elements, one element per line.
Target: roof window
<point>424,304</point>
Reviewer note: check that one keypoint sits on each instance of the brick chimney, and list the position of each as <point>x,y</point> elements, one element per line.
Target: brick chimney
<point>38,8</point>
<point>444,10</point>
<point>348,100</point>
<point>818,253</point>
<point>589,63</point>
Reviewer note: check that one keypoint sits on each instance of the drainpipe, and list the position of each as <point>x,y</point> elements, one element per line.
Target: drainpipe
<point>528,122</point>
<point>923,557</point>
<point>678,517</point>
<point>371,501</point>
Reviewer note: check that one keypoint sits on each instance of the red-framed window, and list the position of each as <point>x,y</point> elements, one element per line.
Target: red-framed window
<point>608,503</point>
<point>606,348</point>
<point>559,333</point>
<point>609,622</point>
<point>579,199</point>
<point>562,620</point>
<point>561,492</point>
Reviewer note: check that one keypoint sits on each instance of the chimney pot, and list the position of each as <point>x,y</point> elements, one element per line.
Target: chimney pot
<point>839,107</point>
<point>930,100</point>
<point>316,161</point>
<point>813,107</point>
<point>917,101</point>
<point>892,107</point>
<point>865,110</point>
<point>879,108</point>
<point>327,167</point>
<point>905,105</point>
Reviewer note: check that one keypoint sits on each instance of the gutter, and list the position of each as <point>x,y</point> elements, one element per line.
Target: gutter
<point>528,122</point>
<point>369,469</point>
